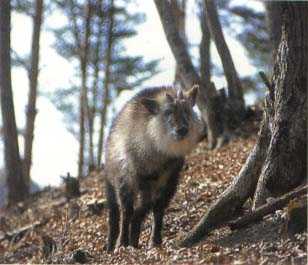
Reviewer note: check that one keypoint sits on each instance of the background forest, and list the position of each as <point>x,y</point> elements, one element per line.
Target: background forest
<point>66,70</point>
<point>101,53</point>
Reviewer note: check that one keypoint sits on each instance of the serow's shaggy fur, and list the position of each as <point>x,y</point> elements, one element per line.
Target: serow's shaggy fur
<point>144,155</point>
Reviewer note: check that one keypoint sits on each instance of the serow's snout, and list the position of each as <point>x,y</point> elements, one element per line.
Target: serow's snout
<point>181,132</point>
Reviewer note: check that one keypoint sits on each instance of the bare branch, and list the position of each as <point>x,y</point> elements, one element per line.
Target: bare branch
<point>267,84</point>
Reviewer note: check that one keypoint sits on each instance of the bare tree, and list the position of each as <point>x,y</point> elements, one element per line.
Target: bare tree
<point>278,162</point>
<point>98,54</point>
<point>124,70</point>
<point>274,21</point>
<point>16,184</point>
<point>33,78</point>
<point>82,41</point>
<point>214,135</point>
<point>205,50</point>
<point>188,72</point>
<point>179,11</point>
<point>234,84</point>
<point>105,98</point>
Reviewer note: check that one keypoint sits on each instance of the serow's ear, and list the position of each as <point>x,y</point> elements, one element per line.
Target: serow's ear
<point>151,105</point>
<point>192,93</point>
<point>170,99</point>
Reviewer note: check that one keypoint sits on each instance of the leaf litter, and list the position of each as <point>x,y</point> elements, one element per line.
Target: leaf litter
<point>75,231</point>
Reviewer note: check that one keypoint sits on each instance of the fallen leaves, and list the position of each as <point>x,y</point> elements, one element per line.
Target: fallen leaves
<point>76,231</point>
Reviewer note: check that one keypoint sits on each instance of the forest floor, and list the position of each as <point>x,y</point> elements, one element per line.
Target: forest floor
<point>72,232</point>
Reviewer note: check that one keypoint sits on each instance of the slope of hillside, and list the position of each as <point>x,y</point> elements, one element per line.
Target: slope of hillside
<point>72,232</point>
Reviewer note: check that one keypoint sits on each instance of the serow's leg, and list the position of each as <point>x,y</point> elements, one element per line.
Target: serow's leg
<point>113,220</point>
<point>156,237</point>
<point>162,202</point>
<point>138,217</point>
<point>127,211</point>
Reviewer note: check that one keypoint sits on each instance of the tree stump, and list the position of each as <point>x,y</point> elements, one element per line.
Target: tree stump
<point>72,189</point>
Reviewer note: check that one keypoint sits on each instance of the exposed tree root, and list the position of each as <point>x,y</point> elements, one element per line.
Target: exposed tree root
<point>235,196</point>
<point>268,208</point>
<point>277,164</point>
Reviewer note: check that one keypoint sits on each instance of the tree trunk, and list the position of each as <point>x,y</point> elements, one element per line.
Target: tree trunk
<point>33,79</point>
<point>15,181</point>
<point>205,50</point>
<point>285,165</point>
<point>91,118</point>
<point>93,109</point>
<point>274,21</point>
<point>234,84</point>
<point>215,133</point>
<point>105,100</point>
<point>179,10</point>
<point>185,66</point>
<point>83,46</point>
<point>277,163</point>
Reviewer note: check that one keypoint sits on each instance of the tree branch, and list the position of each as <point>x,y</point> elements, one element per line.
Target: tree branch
<point>176,43</point>
<point>267,84</point>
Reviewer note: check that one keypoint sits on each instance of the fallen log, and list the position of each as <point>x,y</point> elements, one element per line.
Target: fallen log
<point>272,206</point>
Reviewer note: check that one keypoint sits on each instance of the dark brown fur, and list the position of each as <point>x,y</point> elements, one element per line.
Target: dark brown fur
<point>144,156</point>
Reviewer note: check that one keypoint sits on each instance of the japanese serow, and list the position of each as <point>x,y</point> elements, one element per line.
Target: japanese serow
<point>144,155</point>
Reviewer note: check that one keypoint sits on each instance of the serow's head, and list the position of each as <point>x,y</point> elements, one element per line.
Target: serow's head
<point>174,112</point>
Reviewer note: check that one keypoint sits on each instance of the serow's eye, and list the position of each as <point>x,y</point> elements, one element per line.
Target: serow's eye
<point>168,112</point>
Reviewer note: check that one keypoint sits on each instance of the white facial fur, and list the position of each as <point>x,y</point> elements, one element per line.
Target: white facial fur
<point>167,144</point>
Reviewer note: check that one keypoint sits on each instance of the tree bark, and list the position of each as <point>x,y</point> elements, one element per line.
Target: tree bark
<point>93,109</point>
<point>285,165</point>
<point>205,50</point>
<point>17,190</point>
<point>84,106</point>
<point>234,84</point>
<point>33,79</point>
<point>213,117</point>
<point>274,21</point>
<point>188,72</point>
<point>179,12</point>
<point>277,164</point>
<point>91,118</point>
<point>82,47</point>
<point>177,45</point>
<point>105,99</point>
